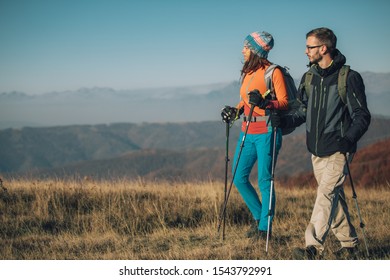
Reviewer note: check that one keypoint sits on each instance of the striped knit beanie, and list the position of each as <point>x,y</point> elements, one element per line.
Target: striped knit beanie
<point>260,43</point>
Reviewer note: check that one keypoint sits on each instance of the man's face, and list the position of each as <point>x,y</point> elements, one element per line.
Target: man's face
<point>314,49</point>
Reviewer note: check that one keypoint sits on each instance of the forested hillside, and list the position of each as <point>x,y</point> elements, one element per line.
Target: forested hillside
<point>191,151</point>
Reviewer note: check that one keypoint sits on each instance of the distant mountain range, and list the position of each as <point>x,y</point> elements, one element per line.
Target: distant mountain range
<point>171,151</point>
<point>106,106</point>
<point>168,133</point>
<point>155,105</point>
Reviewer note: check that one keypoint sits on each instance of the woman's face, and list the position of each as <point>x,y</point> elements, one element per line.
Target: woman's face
<point>246,52</point>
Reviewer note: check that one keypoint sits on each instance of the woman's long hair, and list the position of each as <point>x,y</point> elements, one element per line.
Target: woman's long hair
<point>254,63</point>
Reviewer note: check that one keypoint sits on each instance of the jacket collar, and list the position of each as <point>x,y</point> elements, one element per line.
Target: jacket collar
<point>338,61</point>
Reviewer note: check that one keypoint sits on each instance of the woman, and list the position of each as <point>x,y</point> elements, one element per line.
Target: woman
<point>259,138</point>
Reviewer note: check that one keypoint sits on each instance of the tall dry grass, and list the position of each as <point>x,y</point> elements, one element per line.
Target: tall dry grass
<point>86,219</point>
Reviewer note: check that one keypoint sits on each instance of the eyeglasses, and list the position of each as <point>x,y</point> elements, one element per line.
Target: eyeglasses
<point>313,47</point>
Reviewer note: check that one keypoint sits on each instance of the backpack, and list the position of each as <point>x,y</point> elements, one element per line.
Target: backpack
<point>341,83</point>
<point>293,102</point>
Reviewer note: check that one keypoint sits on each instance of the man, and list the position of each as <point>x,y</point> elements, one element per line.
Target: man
<point>333,127</point>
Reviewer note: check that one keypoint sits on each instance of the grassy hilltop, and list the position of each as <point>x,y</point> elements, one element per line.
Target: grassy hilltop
<point>86,219</point>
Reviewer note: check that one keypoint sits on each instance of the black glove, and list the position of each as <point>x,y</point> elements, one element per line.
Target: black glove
<point>344,144</point>
<point>255,98</point>
<point>275,119</point>
<point>230,114</point>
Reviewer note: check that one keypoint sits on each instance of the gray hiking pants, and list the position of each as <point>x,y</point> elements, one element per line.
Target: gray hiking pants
<point>330,209</point>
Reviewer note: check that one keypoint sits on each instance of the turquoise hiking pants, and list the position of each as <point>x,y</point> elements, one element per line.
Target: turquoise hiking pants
<point>257,147</point>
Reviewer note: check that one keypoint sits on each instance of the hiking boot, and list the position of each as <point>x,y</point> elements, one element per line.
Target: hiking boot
<point>252,231</point>
<point>346,253</point>
<point>308,253</point>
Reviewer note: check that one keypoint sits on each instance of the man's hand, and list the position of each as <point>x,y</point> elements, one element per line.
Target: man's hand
<point>275,119</point>
<point>344,144</point>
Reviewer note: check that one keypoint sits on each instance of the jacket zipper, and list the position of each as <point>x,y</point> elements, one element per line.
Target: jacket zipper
<point>323,99</point>
<point>318,113</point>
<point>357,100</point>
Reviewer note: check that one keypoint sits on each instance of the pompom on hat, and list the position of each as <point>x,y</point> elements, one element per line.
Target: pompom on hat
<point>260,43</point>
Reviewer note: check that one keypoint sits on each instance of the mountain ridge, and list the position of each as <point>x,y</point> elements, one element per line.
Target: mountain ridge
<point>180,104</point>
<point>370,167</point>
<point>146,149</point>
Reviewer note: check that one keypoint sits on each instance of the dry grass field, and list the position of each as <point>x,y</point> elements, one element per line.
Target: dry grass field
<point>139,220</point>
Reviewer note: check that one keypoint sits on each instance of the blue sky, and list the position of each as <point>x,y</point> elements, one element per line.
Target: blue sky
<point>56,45</point>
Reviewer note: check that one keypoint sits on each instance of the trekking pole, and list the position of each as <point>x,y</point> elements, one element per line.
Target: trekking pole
<point>223,213</point>
<point>354,196</point>
<point>226,173</point>
<point>271,187</point>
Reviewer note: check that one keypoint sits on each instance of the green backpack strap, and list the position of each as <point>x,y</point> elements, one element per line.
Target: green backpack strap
<point>308,78</point>
<point>342,83</point>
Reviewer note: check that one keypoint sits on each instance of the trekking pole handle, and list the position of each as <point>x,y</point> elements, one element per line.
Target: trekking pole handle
<point>354,195</point>
<point>250,116</point>
<point>251,111</point>
<point>247,124</point>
